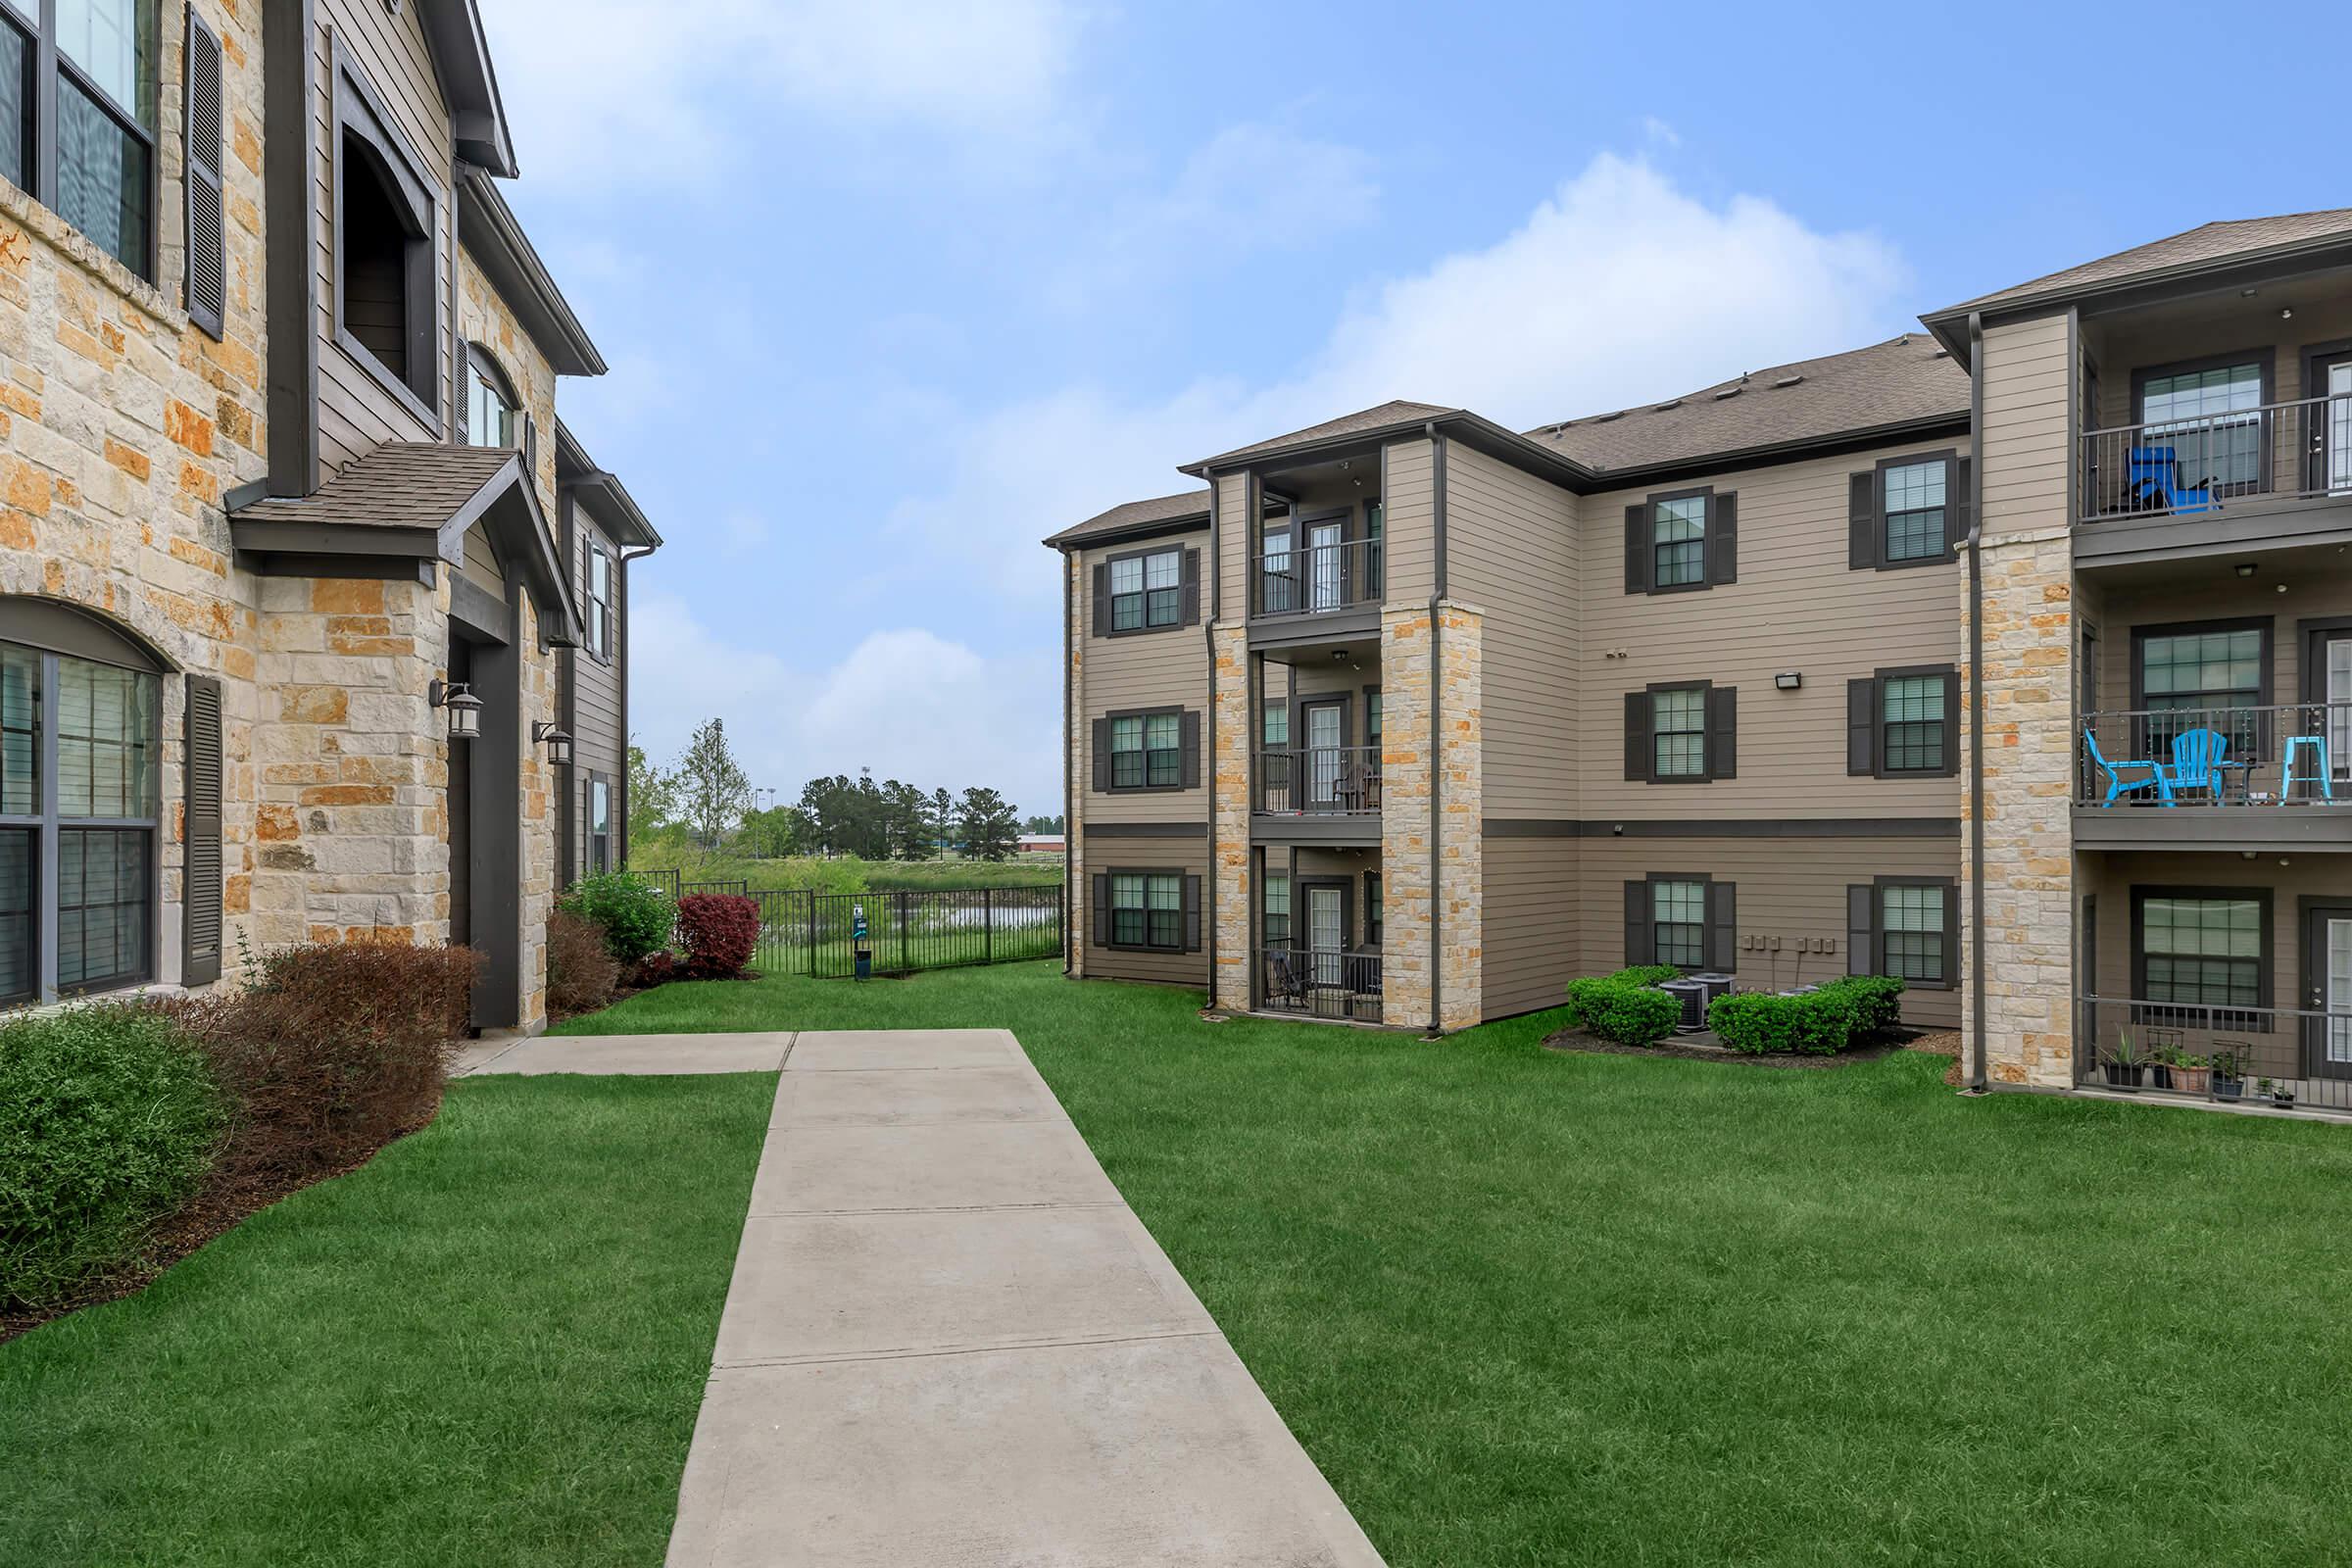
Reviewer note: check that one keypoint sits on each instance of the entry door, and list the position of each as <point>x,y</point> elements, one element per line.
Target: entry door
<point>1326,930</point>
<point>1325,731</point>
<point>2331,379</point>
<point>1326,566</point>
<point>2328,982</point>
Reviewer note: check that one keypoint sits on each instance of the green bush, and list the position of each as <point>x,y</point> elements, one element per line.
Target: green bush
<point>1876,1001</point>
<point>636,915</point>
<point>1629,1014</point>
<point>1759,1023</point>
<point>1647,974</point>
<point>108,1122</point>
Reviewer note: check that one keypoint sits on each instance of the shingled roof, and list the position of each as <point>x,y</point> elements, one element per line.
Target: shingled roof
<point>1906,381</point>
<point>1137,514</point>
<point>2228,240</point>
<point>1396,412</point>
<point>401,484</point>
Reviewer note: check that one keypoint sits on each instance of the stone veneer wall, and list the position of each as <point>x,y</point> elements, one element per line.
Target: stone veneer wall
<point>1407,812</point>
<point>1229,815</point>
<point>2028,831</point>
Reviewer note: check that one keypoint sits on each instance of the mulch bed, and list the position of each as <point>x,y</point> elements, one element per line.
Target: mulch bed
<point>1701,1047</point>
<point>224,1200</point>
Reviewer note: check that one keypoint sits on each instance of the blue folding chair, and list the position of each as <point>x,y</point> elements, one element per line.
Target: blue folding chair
<point>2157,777</point>
<point>2152,483</point>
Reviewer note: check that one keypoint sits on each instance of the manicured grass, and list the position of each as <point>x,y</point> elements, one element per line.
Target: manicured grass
<point>486,1347</point>
<point>1526,1307</point>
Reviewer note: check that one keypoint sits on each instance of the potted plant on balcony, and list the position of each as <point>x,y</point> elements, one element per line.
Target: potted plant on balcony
<point>2229,1073</point>
<point>2191,1074</point>
<point>2124,1065</point>
<point>2279,1096</point>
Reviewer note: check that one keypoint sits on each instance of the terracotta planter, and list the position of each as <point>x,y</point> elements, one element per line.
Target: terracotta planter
<point>2193,1080</point>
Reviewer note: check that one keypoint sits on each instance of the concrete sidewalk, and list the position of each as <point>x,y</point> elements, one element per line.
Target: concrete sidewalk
<point>948,1340</point>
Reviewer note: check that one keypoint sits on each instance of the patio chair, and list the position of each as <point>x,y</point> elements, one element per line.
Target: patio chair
<point>1285,978</point>
<point>2152,483</point>
<point>2158,776</point>
<point>2198,762</point>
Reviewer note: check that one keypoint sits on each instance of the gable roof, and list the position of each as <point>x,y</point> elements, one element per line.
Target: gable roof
<point>2232,239</point>
<point>493,236</point>
<point>1395,412</point>
<point>1906,381</point>
<point>1129,516</point>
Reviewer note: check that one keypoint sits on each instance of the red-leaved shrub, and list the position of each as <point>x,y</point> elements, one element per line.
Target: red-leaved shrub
<point>331,1050</point>
<point>719,931</point>
<point>580,971</point>
<point>657,969</point>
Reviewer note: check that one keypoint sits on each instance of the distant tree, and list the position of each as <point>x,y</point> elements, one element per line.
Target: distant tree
<point>653,797</point>
<point>943,818</point>
<point>777,831</point>
<point>907,813</point>
<point>713,789</point>
<point>846,816</point>
<point>1047,826</point>
<point>988,826</point>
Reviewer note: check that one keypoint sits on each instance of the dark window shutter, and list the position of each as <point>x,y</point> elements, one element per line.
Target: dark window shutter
<point>1951,723</point>
<point>200,892</point>
<point>1959,503</point>
<point>1723,539</point>
<point>1192,587</point>
<point>1102,598</point>
<point>1951,933</point>
<point>531,450</point>
<point>1636,923</point>
<point>1192,914</point>
<point>1637,736</point>
<point>1723,732</point>
<point>1102,909</point>
<point>1187,732</point>
<point>1862,726</point>
<point>1101,753</point>
<point>464,400</point>
<point>207,282</point>
<point>1637,549</point>
<point>1862,521</point>
<point>1861,936</point>
<point>1723,926</point>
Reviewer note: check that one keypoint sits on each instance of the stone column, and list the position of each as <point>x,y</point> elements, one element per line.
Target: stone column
<point>1413,803</point>
<point>1229,815</point>
<point>2027,805</point>
<point>1461,807</point>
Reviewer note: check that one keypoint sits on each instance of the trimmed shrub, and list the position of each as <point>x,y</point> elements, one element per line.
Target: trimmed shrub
<point>1647,974</point>
<point>108,1122</point>
<point>581,972</point>
<point>1876,1001</point>
<point>636,915</point>
<point>718,932</point>
<point>655,969</point>
<point>332,1050</point>
<point>1629,1014</point>
<point>1759,1023</point>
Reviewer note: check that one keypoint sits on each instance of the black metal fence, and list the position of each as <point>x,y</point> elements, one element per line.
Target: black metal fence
<point>812,933</point>
<point>2214,1051</point>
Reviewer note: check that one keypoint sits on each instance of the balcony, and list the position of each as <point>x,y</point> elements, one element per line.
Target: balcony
<point>1316,795</point>
<point>2271,778</point>
<point>1319,588</point>
<point>1320,983</point>
<point>2277,474</point>
<point>2175,1050</point>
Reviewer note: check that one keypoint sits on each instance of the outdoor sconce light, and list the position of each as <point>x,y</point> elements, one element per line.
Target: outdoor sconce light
<point>2245,569</point>
<point>558,744</point>
<point>465,709</point>
<point>1789,680</point>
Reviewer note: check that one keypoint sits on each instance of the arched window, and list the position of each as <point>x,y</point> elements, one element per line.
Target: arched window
<point>385,223</point>
<point>493,413</point>
<point>81,807</point>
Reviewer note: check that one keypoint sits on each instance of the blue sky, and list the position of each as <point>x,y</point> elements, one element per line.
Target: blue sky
<point>892,290</point>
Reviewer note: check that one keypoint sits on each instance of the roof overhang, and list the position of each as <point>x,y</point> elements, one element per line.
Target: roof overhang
<point>494,238</point>
<point>602,494</point>
<point>1828,444</point>
<point>461,55</point>
<point>1150,528</point>
<point>1474,431</point>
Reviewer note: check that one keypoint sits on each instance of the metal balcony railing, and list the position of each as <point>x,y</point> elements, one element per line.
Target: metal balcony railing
<point>1319,781</point>
<point>2177,468</point>
<point>2214,1051</point>
<point>1314,580</point>
<point>1320,983</point>
<point>2292,754</point>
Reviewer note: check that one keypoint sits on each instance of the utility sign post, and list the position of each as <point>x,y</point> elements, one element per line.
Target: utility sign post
<point>864,954</point>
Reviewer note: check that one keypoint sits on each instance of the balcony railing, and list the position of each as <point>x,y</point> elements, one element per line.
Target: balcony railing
<point>1319,781</point>
<point>1320,983</point>
<point>2295,754</point>
<point>1315,579</point>
<point>2177,468</point>
<point>2185,1048</point>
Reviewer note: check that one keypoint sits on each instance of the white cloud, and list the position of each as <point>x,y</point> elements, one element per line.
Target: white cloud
<point>1660,131</point>
<point>658,87</point>
<point>907,703</point>
<point>1618,288</point>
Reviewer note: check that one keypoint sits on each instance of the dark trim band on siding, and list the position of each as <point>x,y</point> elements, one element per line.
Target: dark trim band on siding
<point>1146,830</point>
<point>1760,827</point>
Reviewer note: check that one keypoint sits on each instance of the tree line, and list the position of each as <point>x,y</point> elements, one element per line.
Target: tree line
<point>706,797</point>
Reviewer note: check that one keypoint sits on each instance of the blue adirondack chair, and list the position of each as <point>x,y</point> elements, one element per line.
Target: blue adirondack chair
<point>2158,778</point>
<point>2197,757</point>
<point>2152,482</point>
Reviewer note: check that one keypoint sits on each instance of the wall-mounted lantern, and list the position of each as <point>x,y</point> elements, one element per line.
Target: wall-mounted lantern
<point>558,744</point>
<point>1789,680</point>
<point>465,709</point>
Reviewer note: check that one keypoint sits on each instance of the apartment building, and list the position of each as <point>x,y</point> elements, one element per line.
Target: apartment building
<point>1410,718</point>
<point>280,597</point>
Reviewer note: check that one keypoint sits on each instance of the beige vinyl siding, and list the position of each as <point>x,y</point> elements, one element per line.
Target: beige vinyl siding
<point>480,563</point>
<point>1145,669</point>
<point>1531,923</point>
<point>2027,423</point>
<point>356,415</point>
<point>1408,522</point>
<point>1237,547</point>
<point>2203,593</point>
<point>1788,888</point>
<point>1184,856</point>
<point>1796,606</point>
<point>1512,551</point>
<point>2123,344</point>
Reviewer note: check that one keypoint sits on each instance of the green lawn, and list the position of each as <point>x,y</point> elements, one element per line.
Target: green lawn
<point>484,1348</point>
<point>1526,1307</point>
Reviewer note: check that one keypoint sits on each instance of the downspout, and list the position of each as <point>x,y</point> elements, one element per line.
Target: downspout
<point>1977,1081</point>
<point>1437,814</point>
<point>1069,806</point>
<point>1208,640</point>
